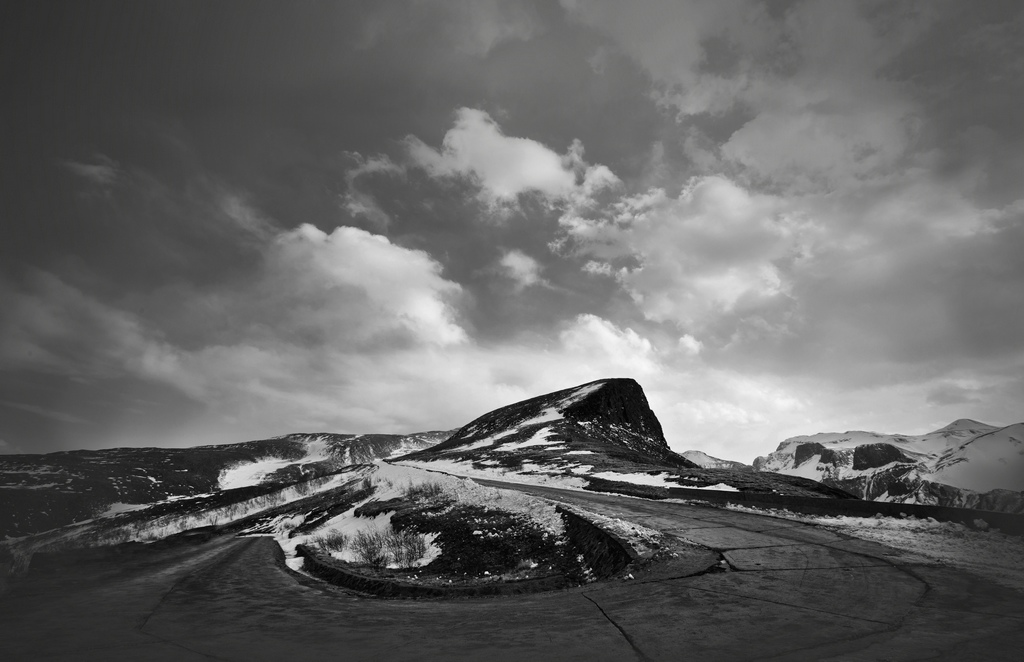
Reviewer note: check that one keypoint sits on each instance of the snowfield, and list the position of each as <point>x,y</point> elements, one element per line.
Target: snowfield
<point>251,473</point>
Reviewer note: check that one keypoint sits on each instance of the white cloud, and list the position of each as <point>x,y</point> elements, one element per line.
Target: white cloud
<point>355,287</point>
<point>697,256</point>
<point>604,344</point>
<point>504,166</point>
<point>523,270</point>
<point>690,345</point>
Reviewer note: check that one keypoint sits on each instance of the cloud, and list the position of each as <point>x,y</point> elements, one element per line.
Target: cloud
<point>102,172</point>
<point>693,257</point>
<point>245,217</point>
<point>690,345</point>
<point>357,200</point>
<point>45,412</point>
<point>523,270</point>
<point>609,346</point>
<point>358,288</point>
<point>821,106</point>
<point>470,27</point>
<point>951,394</point>
<point>56,328</point>
<point>479,26</point>
<point>503,166</point>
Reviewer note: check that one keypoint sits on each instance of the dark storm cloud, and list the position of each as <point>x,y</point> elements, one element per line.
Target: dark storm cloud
<point>237,219</point>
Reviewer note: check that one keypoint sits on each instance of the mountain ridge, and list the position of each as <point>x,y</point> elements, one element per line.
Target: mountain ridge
<point>600,435</point>
<point>966,464</point>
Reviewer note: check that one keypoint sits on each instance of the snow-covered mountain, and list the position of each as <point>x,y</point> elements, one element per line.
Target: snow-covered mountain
<point>41,492</point>
<point>600,435</point>
<point>964,464</point>
<point>702,459</point>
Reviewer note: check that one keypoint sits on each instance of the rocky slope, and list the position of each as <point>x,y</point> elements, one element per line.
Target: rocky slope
<point>965,464</point>
<point>41,492</point>
<point>596,435</point>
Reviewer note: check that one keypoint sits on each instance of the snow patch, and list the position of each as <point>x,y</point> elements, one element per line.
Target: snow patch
<point>467,470</point>
<point>538,439</point>
<point>656,480</point>
<point>117,508</point>
<point>251,473</point>
<point>721,487</point>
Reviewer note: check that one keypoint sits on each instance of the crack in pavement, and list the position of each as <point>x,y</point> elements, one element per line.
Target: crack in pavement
<point>629,640</point>
<point>783,604</point>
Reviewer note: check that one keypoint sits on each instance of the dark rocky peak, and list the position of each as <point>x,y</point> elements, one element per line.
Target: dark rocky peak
<point>618,404</point>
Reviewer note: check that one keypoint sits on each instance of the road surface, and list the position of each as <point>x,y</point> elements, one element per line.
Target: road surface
<point>795,592</point>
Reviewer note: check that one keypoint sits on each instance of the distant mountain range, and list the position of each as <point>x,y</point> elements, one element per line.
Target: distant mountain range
<point>965,464</point>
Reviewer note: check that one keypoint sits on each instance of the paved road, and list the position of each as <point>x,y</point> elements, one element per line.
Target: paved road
<point>796,593</point>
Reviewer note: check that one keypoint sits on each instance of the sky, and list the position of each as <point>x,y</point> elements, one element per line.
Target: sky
<point>233,220</point>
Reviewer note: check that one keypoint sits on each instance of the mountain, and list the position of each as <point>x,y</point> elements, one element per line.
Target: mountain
<point>41,492</point>
<point>600,435</point>
<point>703,460</point>
<point>965,464</point>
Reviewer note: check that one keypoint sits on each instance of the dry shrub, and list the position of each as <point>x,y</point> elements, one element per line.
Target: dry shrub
<point>425,490</point>
<point>368,548</point>
<point>332,541</point>
<point>405,547</point>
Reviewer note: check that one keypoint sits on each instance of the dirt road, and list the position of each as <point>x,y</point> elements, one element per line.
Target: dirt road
<point>795,592</point>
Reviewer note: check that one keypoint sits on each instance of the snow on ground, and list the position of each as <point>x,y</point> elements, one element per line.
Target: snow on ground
<point>993,555</point>
<point>656,480</point>
<point>580,453</point>
<point>721,487</point>
<point>246,474</point>
<point>578,395</point>
<point>467,470</point>
<point>110,532</point>
<point>251,473</point>
<point>394,480</point>
<point>539,438</point>
<point>118,508</point>
<point>546,416</point>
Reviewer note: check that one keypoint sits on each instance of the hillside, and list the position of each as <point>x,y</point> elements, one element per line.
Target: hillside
<point>965,464</point>
<point>41,492</point>
<point>600,436</point>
